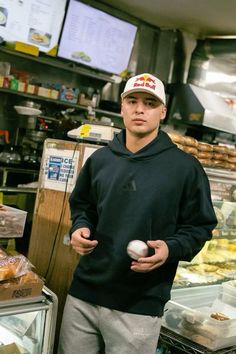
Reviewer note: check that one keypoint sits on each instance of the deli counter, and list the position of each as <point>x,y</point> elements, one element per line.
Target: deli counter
<point>216,262</point>
<point>201,315</point>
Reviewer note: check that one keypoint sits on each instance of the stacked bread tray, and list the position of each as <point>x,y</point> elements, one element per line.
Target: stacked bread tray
<point>17,279</point>
<point>209,155</point>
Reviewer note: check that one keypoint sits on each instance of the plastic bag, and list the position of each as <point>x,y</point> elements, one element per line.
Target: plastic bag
<point>14,266</point>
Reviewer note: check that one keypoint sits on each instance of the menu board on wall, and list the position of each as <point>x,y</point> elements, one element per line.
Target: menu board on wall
<point>95,38</point>
<point>32,21</point>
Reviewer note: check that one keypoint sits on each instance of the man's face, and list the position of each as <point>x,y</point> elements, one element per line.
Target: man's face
<point>142,113</point>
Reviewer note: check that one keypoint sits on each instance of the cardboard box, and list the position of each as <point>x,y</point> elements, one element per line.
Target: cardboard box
<point>12,222</point>
<point>11,290</point>
<point>69,94</point>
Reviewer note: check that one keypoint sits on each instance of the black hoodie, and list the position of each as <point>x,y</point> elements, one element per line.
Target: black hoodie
<point>157,193</point>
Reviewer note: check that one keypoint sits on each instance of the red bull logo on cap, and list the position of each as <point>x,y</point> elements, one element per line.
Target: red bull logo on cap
<point>145,81</point>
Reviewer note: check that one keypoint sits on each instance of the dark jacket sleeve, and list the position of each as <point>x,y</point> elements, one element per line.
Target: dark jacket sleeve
<point>196,218</point>
<point>82,205</point>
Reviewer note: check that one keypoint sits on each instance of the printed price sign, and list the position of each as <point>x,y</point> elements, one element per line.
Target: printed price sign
<point>60,169</point>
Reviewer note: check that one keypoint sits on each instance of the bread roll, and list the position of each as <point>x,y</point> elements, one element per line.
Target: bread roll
<point>220,163</point>
<point>188,140</point>
<point>8,268</point>
<point>29,277</point>
<point>205,154</point>
<point>205,162</point>
<point>13,266</point>
<point>190,150</point>
<point>232,166</point>
<point>231,159</point>
<point>176,138</point>
<point>218,156</point>
<point>231,152</point>
<point>220,149</point>
<point>219,316</point>
<point>204,146</point>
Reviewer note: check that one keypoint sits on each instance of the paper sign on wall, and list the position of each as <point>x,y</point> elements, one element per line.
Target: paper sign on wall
<point>60,169</point>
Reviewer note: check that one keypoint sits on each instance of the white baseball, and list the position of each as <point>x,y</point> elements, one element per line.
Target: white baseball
<point>137,249</point>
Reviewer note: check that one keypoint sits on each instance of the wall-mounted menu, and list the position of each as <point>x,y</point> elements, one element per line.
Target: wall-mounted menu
<point>32,21</point>
<point>95,38</point>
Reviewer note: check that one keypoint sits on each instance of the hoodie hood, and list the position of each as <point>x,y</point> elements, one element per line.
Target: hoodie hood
<point>161,143</point>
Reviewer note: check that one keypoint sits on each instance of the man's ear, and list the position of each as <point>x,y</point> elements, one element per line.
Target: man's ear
<point>121,111</point>
<point>163,113</point>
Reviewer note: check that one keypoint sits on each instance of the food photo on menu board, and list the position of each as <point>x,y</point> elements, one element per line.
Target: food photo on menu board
<point>32,22</point>
<point>38,37</point>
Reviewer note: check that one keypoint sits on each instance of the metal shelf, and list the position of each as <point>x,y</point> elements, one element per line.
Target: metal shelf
<point>4,171</point>
<point>60,64</point>
<point>18,190</point>
<point>221,173</point>
<point>187,346</point>
<point>58,102</point>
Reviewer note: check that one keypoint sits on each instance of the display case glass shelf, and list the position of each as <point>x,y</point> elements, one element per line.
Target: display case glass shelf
<point>28,325</point>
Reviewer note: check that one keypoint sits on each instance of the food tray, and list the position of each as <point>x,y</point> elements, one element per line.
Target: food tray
<point>189,312</point>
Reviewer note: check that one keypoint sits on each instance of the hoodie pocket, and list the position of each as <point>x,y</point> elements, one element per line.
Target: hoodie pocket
<point>99,260</point>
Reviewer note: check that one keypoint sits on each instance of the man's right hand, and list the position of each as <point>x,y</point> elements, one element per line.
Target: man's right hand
<point>81,243</point>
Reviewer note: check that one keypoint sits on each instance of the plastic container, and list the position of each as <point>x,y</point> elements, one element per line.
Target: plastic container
<point>229,287</point>
<point>229,292</point>
<point>12,222</point>
<point>189,312</point>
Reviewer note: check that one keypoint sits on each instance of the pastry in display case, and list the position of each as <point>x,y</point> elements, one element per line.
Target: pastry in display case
<point>201,315</point>
<point>216,262</point>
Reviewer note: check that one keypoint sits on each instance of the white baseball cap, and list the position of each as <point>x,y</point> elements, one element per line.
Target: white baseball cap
<point>145,83</point>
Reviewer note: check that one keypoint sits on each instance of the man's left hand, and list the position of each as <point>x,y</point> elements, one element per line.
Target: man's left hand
<point>147,264</point>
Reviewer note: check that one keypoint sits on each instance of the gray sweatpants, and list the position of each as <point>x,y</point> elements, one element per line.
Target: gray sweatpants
<point>92,329</point>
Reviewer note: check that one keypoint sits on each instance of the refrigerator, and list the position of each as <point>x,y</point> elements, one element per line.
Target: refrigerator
<point>27,326</point>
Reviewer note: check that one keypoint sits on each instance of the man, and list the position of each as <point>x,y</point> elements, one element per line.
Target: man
<point>140,186</point>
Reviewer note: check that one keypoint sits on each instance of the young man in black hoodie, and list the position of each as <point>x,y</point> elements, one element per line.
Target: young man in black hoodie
<point>140,186</point>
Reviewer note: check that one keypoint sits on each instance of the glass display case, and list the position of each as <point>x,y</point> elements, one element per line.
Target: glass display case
<point>216,262</point>
<point>28,325</point>
<point>198,290</point>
